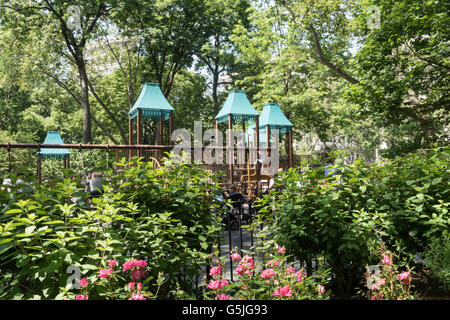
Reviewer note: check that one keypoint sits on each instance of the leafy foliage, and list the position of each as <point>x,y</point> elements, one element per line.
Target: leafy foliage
<point>144,212</point>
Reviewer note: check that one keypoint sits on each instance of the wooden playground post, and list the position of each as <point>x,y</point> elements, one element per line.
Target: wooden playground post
<point>39,168</point>
<point>139,130</point>
<point>130,136</point>
<point>230,148</point>
<point>170,128</point>
<point>291,153</point>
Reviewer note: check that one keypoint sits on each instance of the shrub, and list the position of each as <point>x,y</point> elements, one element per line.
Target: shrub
<point>162,215</point>
<point>388,283</point>
<point>342,217</point>
<point>437,259</point>
<point>273,281</point>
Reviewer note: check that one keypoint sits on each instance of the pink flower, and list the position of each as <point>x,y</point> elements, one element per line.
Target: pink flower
<point>320,289</point>
<point>386,260</point>
<point>283,292</point>
<point>405,276</point>
<point>137,296</point>
<point>290,269</point>
<point>235,256</point>
<point>247,261</point>
<point>377,297</point>
<point>286,291</point>
<point>84,283</point>
<point>239,269</point>
<point>215,271</point>
<point>140,263</point>
<point>382,282</point>
<point>280,249</point>
<point>105,273</point>
<point>223,297</point>
<point>272,263</point>
<point>81,297</point>
<point>128,265</point>
<point>139,286</point>
<point>268,273</point>
<point>112,263</point>
<point>244,287</point>
<point>300,275</point>
<point>131,285</point>
<point>214,285</point>
<point>137,274</point>
<point>223,283</point>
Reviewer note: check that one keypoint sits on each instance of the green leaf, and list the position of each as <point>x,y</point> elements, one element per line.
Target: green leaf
<point>29,230</point>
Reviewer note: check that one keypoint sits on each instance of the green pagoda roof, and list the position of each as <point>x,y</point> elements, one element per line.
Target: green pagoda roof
<point>152,102</point>
<point>53,137</point>
<point>238,106</point>
<point>273,117</point>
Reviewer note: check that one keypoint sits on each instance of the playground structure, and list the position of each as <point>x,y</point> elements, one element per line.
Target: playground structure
<point>244,171</point>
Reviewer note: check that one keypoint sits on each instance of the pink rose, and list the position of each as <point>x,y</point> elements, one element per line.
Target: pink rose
<point>386,260</point>
<point>268,273</point>
<point>223,297</point>
<point>112,263</point>
<point>247,261</point>
<point>286,291</point>
<point>214,285</point>
<point>137,296</point>
<point>105,273</point>
<point>81,297</point>
<point>235,256</point>
<point>215,271</point>
<point>405,276</point>
<point>137,274</point>
<point>320,289</point>
<point>128,265</point>
<point>290,269</point>
<point>272,263</point>
<point>84,283</point>
<point>239,269</point>
<point>280,249</point>
<point>131,285</point>
<point>140,263</point>
<point>300,275</point>
<point>223,283</point>
<point>139,286</point>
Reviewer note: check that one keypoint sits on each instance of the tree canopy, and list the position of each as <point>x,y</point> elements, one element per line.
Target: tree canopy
<point>359,75</point>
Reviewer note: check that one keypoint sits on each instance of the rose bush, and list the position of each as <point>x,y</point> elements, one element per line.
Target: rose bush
<point>115,283</point>
<point>276,279</point>
<point>388,283</point>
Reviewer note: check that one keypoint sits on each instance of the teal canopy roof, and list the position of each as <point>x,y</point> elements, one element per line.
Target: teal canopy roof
<point>238,106</point>
<point>53,137</point>
<point>152,102</point>
<point>273,117</point>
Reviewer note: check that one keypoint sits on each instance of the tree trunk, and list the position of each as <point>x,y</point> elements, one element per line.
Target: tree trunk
<point>214,89</point>
<point>84,84</point>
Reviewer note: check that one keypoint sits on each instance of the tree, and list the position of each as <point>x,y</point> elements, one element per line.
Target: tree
<point>51,20</point>
<point>170,33</point>
<point>404,71</point>
<point>218,54</point>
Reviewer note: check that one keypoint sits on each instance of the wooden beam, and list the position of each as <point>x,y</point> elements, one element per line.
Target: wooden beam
<point>230,148</point>
<point>291,149</point>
